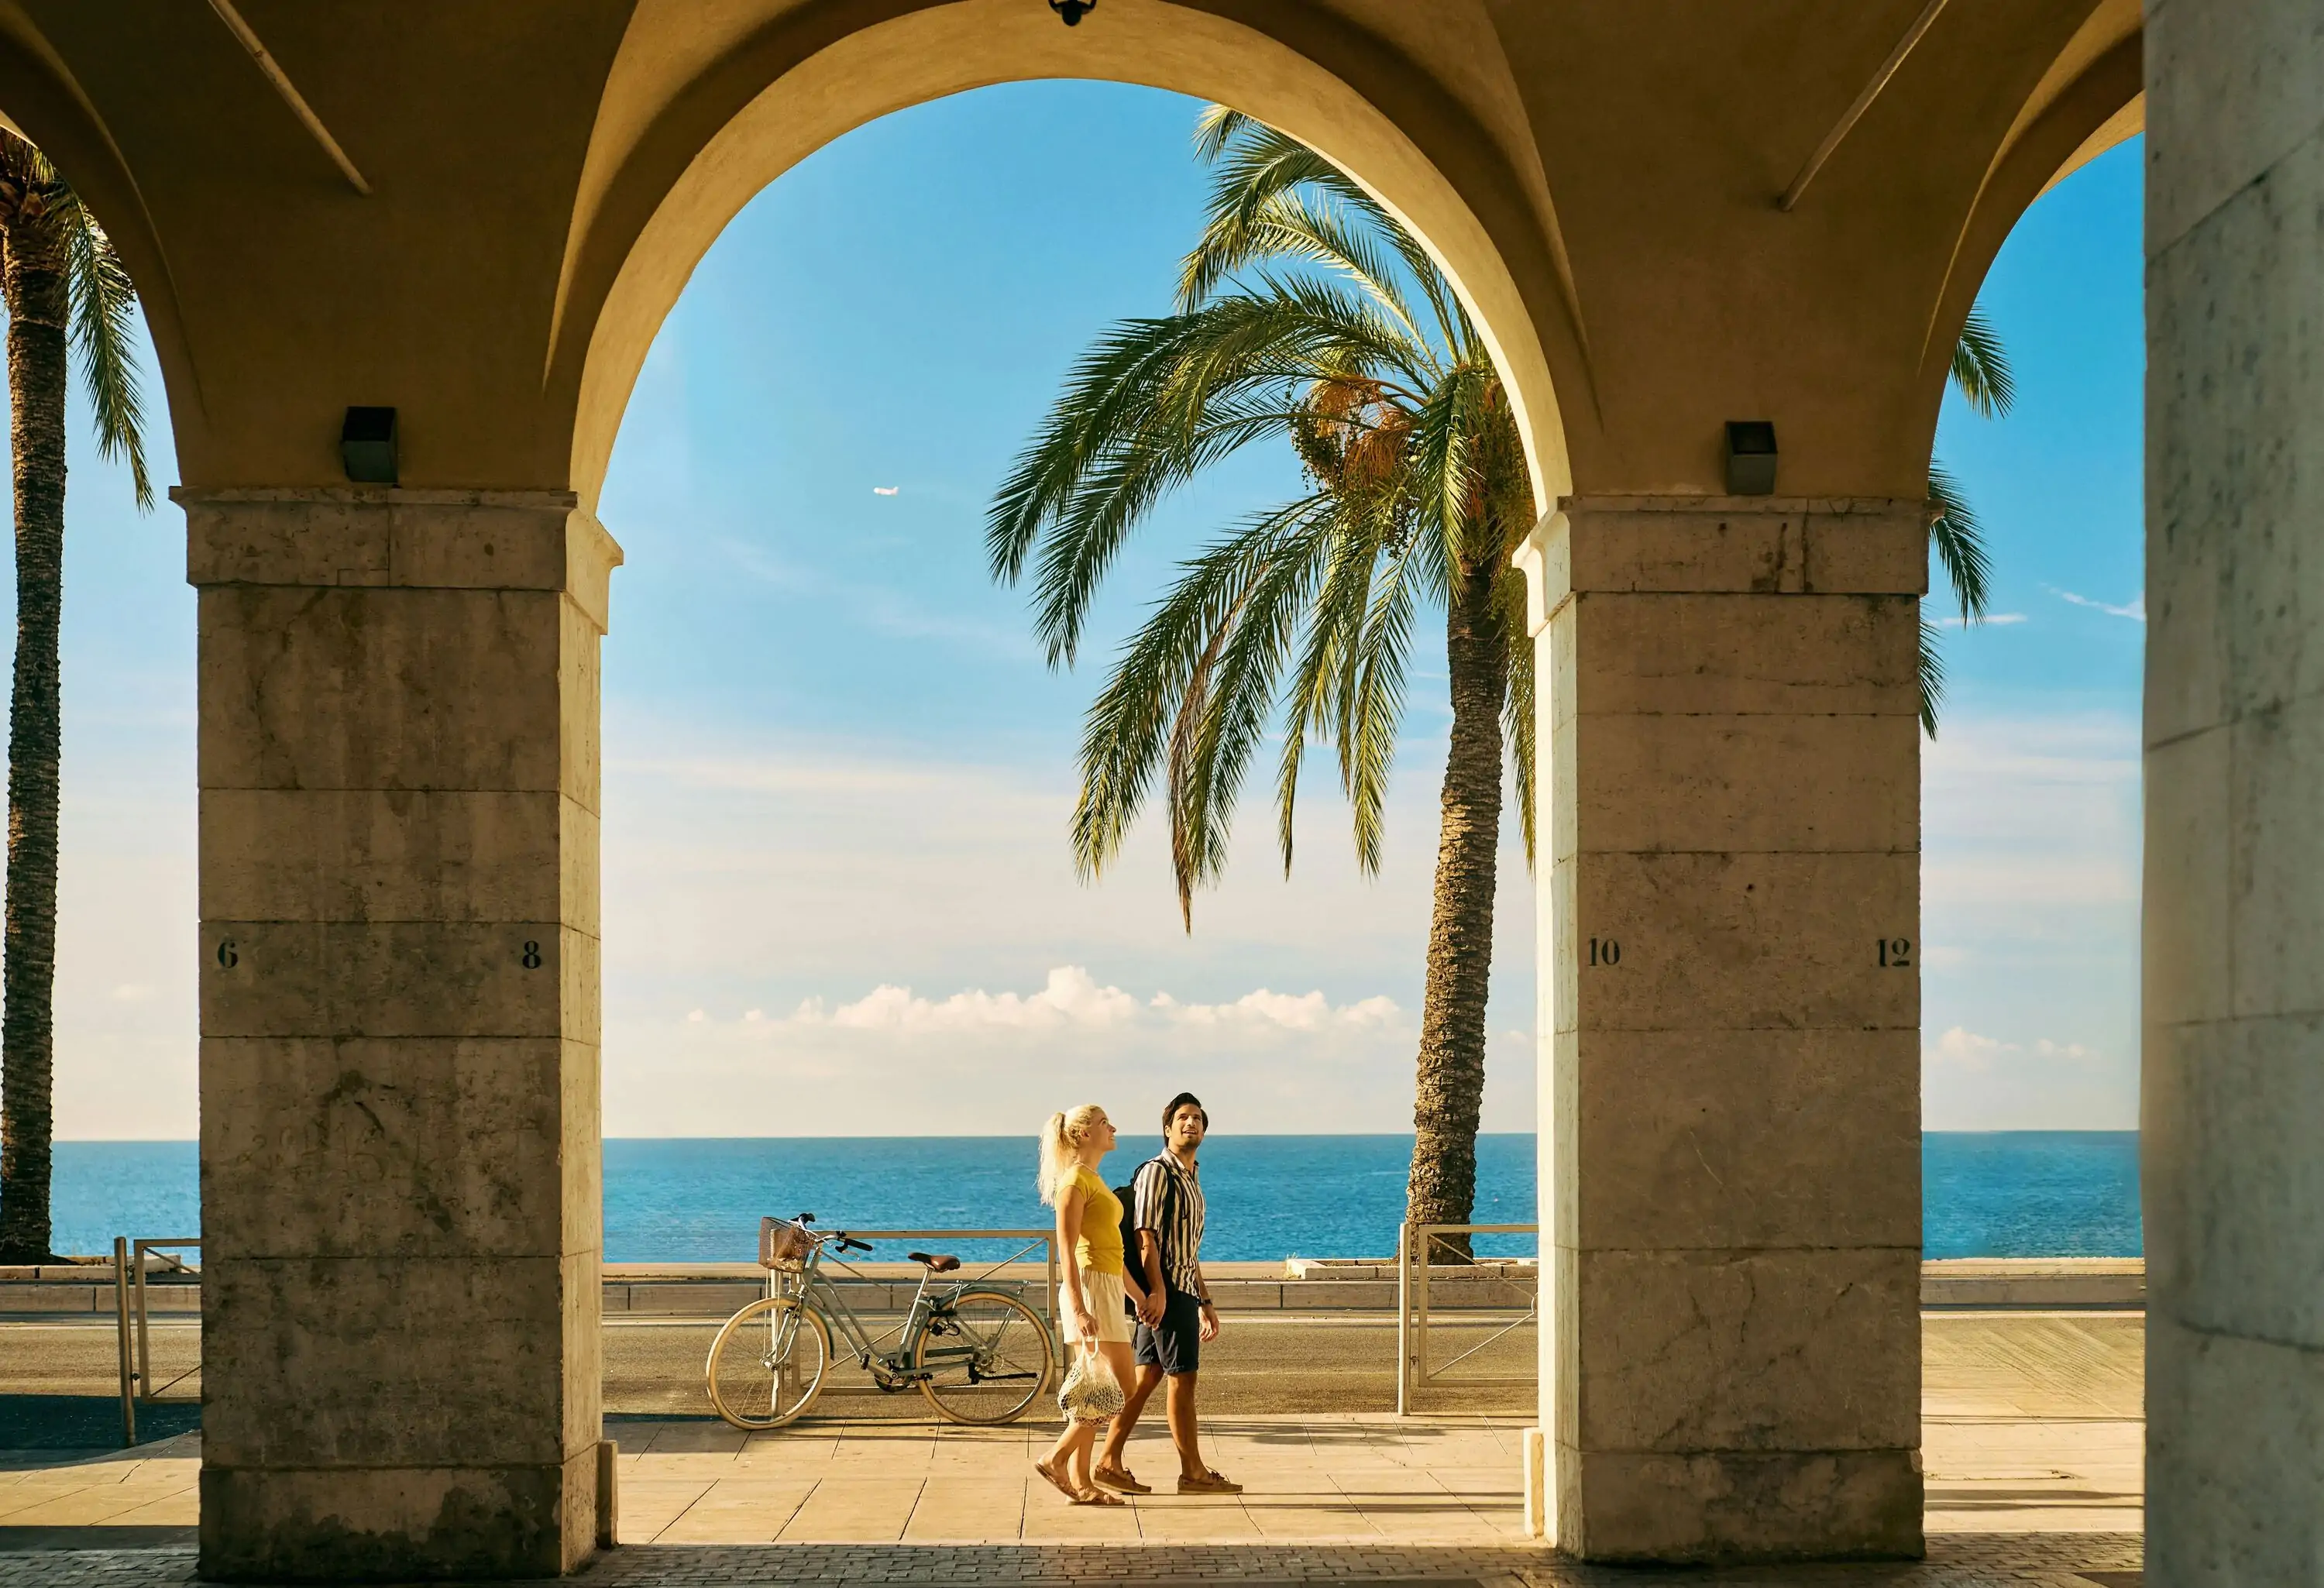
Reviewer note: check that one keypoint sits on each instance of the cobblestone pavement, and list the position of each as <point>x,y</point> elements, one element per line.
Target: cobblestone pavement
<point>2043,1560</point>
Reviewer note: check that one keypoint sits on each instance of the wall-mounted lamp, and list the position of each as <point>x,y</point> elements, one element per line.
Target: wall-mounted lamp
<point>1750,457</point>
<point>1072,11</point>
<point>367,446</point>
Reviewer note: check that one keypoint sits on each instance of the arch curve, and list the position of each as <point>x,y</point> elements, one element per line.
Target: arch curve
<point>2093,100</point>
<point>666,173</point>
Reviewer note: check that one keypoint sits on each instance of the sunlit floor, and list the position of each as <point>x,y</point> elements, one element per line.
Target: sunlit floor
<point>2032,1425</point>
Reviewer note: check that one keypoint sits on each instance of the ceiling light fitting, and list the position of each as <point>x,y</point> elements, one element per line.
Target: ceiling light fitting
<point>1072,11</point>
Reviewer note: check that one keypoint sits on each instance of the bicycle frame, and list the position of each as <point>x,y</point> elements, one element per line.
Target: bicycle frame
<point>890,1368</point>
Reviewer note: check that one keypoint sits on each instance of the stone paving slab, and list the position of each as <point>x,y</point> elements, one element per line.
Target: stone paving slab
<point>2089,1560</point>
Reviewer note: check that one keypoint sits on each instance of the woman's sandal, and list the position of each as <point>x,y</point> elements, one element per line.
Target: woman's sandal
<point>1100,1497</point>
<point>1057,1481</point>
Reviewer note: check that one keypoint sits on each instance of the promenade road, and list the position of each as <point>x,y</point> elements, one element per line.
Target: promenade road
<point>2031,1428</point>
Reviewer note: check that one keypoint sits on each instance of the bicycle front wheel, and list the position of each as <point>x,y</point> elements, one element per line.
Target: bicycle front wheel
<point>767,1364</point>
<point>985,1357</point>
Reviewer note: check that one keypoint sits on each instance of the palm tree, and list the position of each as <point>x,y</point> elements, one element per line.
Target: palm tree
<point>1980,374</point>
<point>61,278</point>
<point>1305,311</point>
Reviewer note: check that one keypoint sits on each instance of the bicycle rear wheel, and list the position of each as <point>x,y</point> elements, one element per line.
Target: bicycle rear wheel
<point>986,1357</point>
<point>767,1364</point>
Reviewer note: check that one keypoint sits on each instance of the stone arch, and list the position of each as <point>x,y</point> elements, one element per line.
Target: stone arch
<point>663,179</point>
<point>2092,99</point>
<point>41,103</point>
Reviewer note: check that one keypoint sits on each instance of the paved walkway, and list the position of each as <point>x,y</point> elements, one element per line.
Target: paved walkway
<point>2030,1436</point>
<point>1955,1561</point>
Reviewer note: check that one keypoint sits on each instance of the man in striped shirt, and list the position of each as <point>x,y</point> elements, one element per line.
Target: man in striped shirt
<point>1177,1317</point>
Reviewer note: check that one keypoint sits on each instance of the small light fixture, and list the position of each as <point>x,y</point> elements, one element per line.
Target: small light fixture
<point>1072,11</point>
<point>367,446</point>
<point>1750,457</point>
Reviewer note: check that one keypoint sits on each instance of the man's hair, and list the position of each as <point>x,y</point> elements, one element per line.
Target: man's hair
<point>1170,1108</point>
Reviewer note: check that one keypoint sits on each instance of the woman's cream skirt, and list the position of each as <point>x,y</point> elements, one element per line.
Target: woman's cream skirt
<point>1107,1303</point>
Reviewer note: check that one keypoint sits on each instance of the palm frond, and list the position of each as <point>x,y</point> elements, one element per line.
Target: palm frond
<point>1959,542</point>
<point>1518,721</point>
<point>1328,659</point>
<point>1206,778</point>
<point>1125,731</point>
<point>1980,370</point>
<point>104,331</point>
<point>1931,675</point>
<point>1372,711</point>
<point>1262,167</point>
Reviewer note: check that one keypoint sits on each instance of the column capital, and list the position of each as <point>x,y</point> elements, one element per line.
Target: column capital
<point>390,537</point>
<point>1724,545</point>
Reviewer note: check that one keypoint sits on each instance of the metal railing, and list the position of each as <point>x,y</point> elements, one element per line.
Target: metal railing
<point>1416,1371</point>
<point>133,1324</point>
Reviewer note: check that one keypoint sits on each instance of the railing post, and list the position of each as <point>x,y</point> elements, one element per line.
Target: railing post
<point>121,1326</point>
<point>144,1337</point>
<point>1404,1319</point>
<point>1427,1243</point>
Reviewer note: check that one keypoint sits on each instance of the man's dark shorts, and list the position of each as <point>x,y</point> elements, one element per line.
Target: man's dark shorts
<point>1176,1346</point>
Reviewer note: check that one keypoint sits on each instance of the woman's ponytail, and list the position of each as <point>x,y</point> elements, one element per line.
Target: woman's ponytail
<point>1061,1141</point>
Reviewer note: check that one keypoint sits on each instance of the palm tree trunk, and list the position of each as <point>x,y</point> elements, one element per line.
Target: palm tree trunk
<point>1450,1084</point>
<point>34,279</point>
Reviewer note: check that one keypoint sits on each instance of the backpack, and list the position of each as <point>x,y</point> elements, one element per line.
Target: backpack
<point>1128,1196</point>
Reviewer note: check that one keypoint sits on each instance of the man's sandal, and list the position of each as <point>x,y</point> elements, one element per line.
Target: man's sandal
<point>1119,1478</point>
<point>1208,1483</point>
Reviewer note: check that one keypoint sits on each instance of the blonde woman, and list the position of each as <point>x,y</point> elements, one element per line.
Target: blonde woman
<point>1091,1298</point>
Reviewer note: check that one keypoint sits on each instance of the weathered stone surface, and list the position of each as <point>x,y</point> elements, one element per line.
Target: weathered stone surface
<point>2236,1423</point>
<point>398,854</point>
<point>2232,1102</point>
<point>1727,783</point>
<point>1745,940</point>
<point>400,1014</point>
<point>2237,1248</point>
<point>2185,949</point>
<point>1797,1348</point>
<point>2232,88</point>
<point>1763,545</point>
<point>396,1524</point>
<point>411,1147</point>
<point>1727,1506</point>
<point>1730,1091</point>
<point>1686,654</point>
<point>383,1361</point>
<point>1832,1158</point>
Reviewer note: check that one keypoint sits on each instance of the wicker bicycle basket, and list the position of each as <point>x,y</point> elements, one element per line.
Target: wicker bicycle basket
<point>782,1245</point>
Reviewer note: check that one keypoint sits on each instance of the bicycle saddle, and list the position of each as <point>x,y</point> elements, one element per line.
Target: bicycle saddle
<point>935,1264</point>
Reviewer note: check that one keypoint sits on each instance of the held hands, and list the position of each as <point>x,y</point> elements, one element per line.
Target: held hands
<point>1149,1309</point>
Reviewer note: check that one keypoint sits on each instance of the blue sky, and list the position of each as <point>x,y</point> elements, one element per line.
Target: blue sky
<point>838,771</point>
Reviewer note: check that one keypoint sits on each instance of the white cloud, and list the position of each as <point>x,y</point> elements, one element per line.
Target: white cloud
<point>1996,619</point>
<point>2135,609</point>
<point>912,934</point>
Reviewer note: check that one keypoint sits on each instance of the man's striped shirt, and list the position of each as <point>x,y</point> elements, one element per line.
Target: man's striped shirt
<point>1169,1202</point>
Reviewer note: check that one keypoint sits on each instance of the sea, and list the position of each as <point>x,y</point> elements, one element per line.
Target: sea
<point>2001,1193</point>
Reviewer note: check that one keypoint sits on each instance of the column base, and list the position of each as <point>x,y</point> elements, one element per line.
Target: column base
<point>1731,1507</point>
<point>397,1524</point>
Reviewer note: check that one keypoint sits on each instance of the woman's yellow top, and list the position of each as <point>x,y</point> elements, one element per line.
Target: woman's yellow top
<point>1099,1249</point>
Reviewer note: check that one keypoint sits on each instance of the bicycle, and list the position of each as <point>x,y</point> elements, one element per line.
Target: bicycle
<point>977,1353</point>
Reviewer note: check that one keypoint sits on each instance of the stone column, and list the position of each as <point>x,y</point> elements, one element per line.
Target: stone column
<point>1730,1007</point>
<point>2232,1106</point>
<point>400,1031</point>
